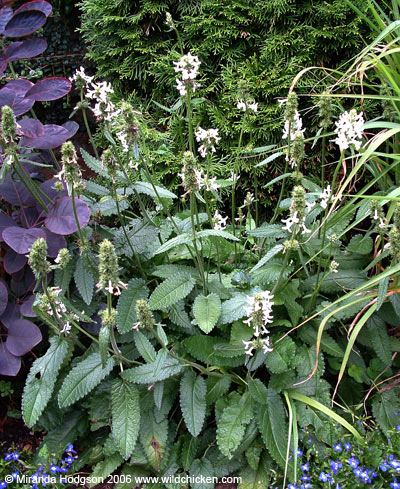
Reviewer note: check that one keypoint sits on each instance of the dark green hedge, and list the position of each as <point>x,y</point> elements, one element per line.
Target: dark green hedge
<point>265,42</point>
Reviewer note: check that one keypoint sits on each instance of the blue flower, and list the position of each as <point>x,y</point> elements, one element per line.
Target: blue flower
<point>305,478</point>
<point>395,484</point>
<point>338,447</point>
<point>14,474</point>
<point>353,462</point>
<point>347,446</point>
<point>292,486</point>
<point>384,467</point>
<point>335,466</point>
<point>309,440</point>
<point>70,449</point>
<point>395,464</point>
<point>338,486</point>
<point>398,427</point>
<point>54,468</point>
<point>299,453</point>
<point>325,477</point>
<point>3,485</point>
<point>68,460</point>
<point>305,467</point>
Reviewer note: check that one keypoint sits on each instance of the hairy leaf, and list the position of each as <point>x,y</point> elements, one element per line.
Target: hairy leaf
<point>126,308</point>
<point>171,291</point>
<point>193,401</point>
<point>207,310</point>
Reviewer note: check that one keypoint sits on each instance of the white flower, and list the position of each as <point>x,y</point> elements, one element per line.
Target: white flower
<point>309,206</point>
<point>349,129</point>
<point>219,221</point>
<point>289,222</point>
<point>241,105</point>
<point>188,66</point>
<point>296,127</point>
<point>260,302</point>
<point>249,347</point>
<point>266,347</point>
<point>133,165</point>
<point>247,106</point>
<point>325,196</point>
<point>66,329</point>
<point>210,184</point>
<point>234,177</point>
<point>123,139</point>
<point>80,74</point>
<point>334,266</point>
<point>209,138</point>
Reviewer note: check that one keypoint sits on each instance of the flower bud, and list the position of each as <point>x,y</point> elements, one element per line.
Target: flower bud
<point>108,319</point>
<point>145,316</point>
<point>63,258</point>
<point>291,107</point>
<point>38,258</point>
<point>192,179</point>
<point>8,125</point>
<point>108,269</point>
<point>109,163</point>
<point>71,171</point>
<point>299,202</point>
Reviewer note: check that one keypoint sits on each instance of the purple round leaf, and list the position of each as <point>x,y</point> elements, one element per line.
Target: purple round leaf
<point>28,48</point>
<point>24,23</point>
<point>20,239</point>
<point>9,364</point>
<point>3,297</point>
<point>23,107</point>
<point>30,217</point>
<point>26,307</point>
<point>5,15</point>
<point>41,5</point>
<point>3,66</point>
<point>54,243</point>
<point>60,218</point>
<point>22,337</point>
<point>48,188</point>
<point>13,262</point>
<point>21,85</point>
<point>53,137</point>
<point>32,128</point>
<point>15,193</point>
<point>10,315</point>
<point>9,97</point>
<point>72,127</point>
<point>49,89</point>
<point>5,222</point>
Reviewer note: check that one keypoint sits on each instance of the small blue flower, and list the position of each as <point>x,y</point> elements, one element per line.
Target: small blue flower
<point>395,484</point>
<point>299,453</point>
<point>305,478</point>
<point>338,447</point>
<point>3,485</point>
<point>292,486</point>
<point>395,464</point>
<point>63,469</point>
<point>70,449</point>
<point>335,466</point>
<point>325,477</point>
<point>338,486</point>
<point>54,468</point>
<point>8,457</point>
<point>305,467</point>
<point>398,427</point>
<point>384,467</point>
<point>14,474</point>
<point>353,462</point>
<point>309,440</point>
<point>68,460</point>
<point>347,446</point>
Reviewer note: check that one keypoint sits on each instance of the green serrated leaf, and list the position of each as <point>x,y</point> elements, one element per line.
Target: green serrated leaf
<point>179,316</point>
<point>360,244</point>
<point>379,339</point>
<point>154,371</point>
<point>202,468</point>
<point>258,391</point>
<point>193,401</point>
<point>105,468</point>
<point>216,388</point>
<point>231,425</point>
<point>145,348</point>
<point>271,420</point>
<point>171,291</point>
<point>147,189</point>
<point>384,407</point>
<point>279,360</point>
<point>104,342</point>
<point>207,310</point>
<point>84,281</point>
<point>126,308</point>
<point>125,416</point>
<point>153,438</point>
<point>189,450</point>
<point>94,164</point>
<point>83,378</point>
<point>41,380</point>
<point>62,277</point>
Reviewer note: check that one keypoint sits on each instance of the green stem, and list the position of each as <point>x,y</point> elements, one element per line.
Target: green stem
<point>27,181</point>
<point>199,259</point>
<point>76,215</point>
<point>282,192</point>
<point>86,122</point>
